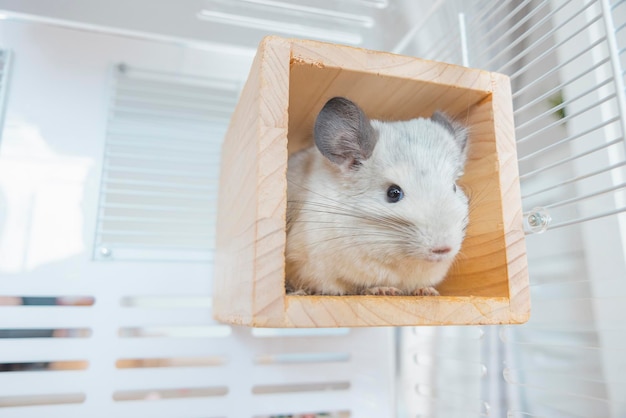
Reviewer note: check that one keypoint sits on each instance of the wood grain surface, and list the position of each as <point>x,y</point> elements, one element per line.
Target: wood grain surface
<point>289,82</point>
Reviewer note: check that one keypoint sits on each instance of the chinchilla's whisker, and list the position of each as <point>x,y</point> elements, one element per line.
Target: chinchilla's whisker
<point>293,183</point>
<point>475,197</point>
<point>461,256</point>
<point>397,224</point>
<point>391,226</point>
<point>362,238</point>
<point>382,246</point>
<point>345,231</point>
<point>391,219</point>
<point>368,237</point>
<point>343,234</point>
<point>454,267</point>
<point>314,192</point>
<point>342,204</point>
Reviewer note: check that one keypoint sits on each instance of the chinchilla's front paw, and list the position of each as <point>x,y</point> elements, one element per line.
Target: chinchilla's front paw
<point>299,292</point>
<point>425,291</point>
<point>383,291</point>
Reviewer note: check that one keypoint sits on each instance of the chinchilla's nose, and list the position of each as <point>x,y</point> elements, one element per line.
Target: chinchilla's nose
<point>441,250</point>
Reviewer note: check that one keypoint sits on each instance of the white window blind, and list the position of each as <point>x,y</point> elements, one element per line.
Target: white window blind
<point>161,165</point>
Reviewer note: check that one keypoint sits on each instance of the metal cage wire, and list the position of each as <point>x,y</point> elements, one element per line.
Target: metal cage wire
<point>566,63</point>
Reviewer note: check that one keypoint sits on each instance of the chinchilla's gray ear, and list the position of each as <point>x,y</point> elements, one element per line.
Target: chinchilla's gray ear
<point>459,132</point>
<point>343,133</point>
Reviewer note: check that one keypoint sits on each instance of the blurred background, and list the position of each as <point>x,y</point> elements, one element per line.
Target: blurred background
<point>112,115</point>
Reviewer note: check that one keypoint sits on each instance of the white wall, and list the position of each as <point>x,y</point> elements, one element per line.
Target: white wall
<point>54,132</point>
<point>50,164</point>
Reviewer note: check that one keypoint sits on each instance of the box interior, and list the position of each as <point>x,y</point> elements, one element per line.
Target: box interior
<point>481,267</point>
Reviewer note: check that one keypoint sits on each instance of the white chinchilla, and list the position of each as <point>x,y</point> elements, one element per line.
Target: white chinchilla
<point>374,207</point>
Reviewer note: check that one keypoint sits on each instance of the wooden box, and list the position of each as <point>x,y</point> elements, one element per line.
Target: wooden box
<point>289,82</point>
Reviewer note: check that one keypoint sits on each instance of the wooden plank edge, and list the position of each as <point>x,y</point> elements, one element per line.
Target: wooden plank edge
<point>515,241</point>
<point>366,311</point>
<point>311,53</point>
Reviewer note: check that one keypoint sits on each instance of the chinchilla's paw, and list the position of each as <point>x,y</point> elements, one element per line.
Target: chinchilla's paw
<point>299,292</point>
<point>426,291</point>
<point>383,291</point>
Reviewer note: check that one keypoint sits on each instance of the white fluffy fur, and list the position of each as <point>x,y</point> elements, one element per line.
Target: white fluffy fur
<point>345,238</point>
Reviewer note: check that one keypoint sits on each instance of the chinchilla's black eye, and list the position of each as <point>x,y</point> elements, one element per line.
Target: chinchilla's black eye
<point>394,194</point>
<point>454,187</point>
